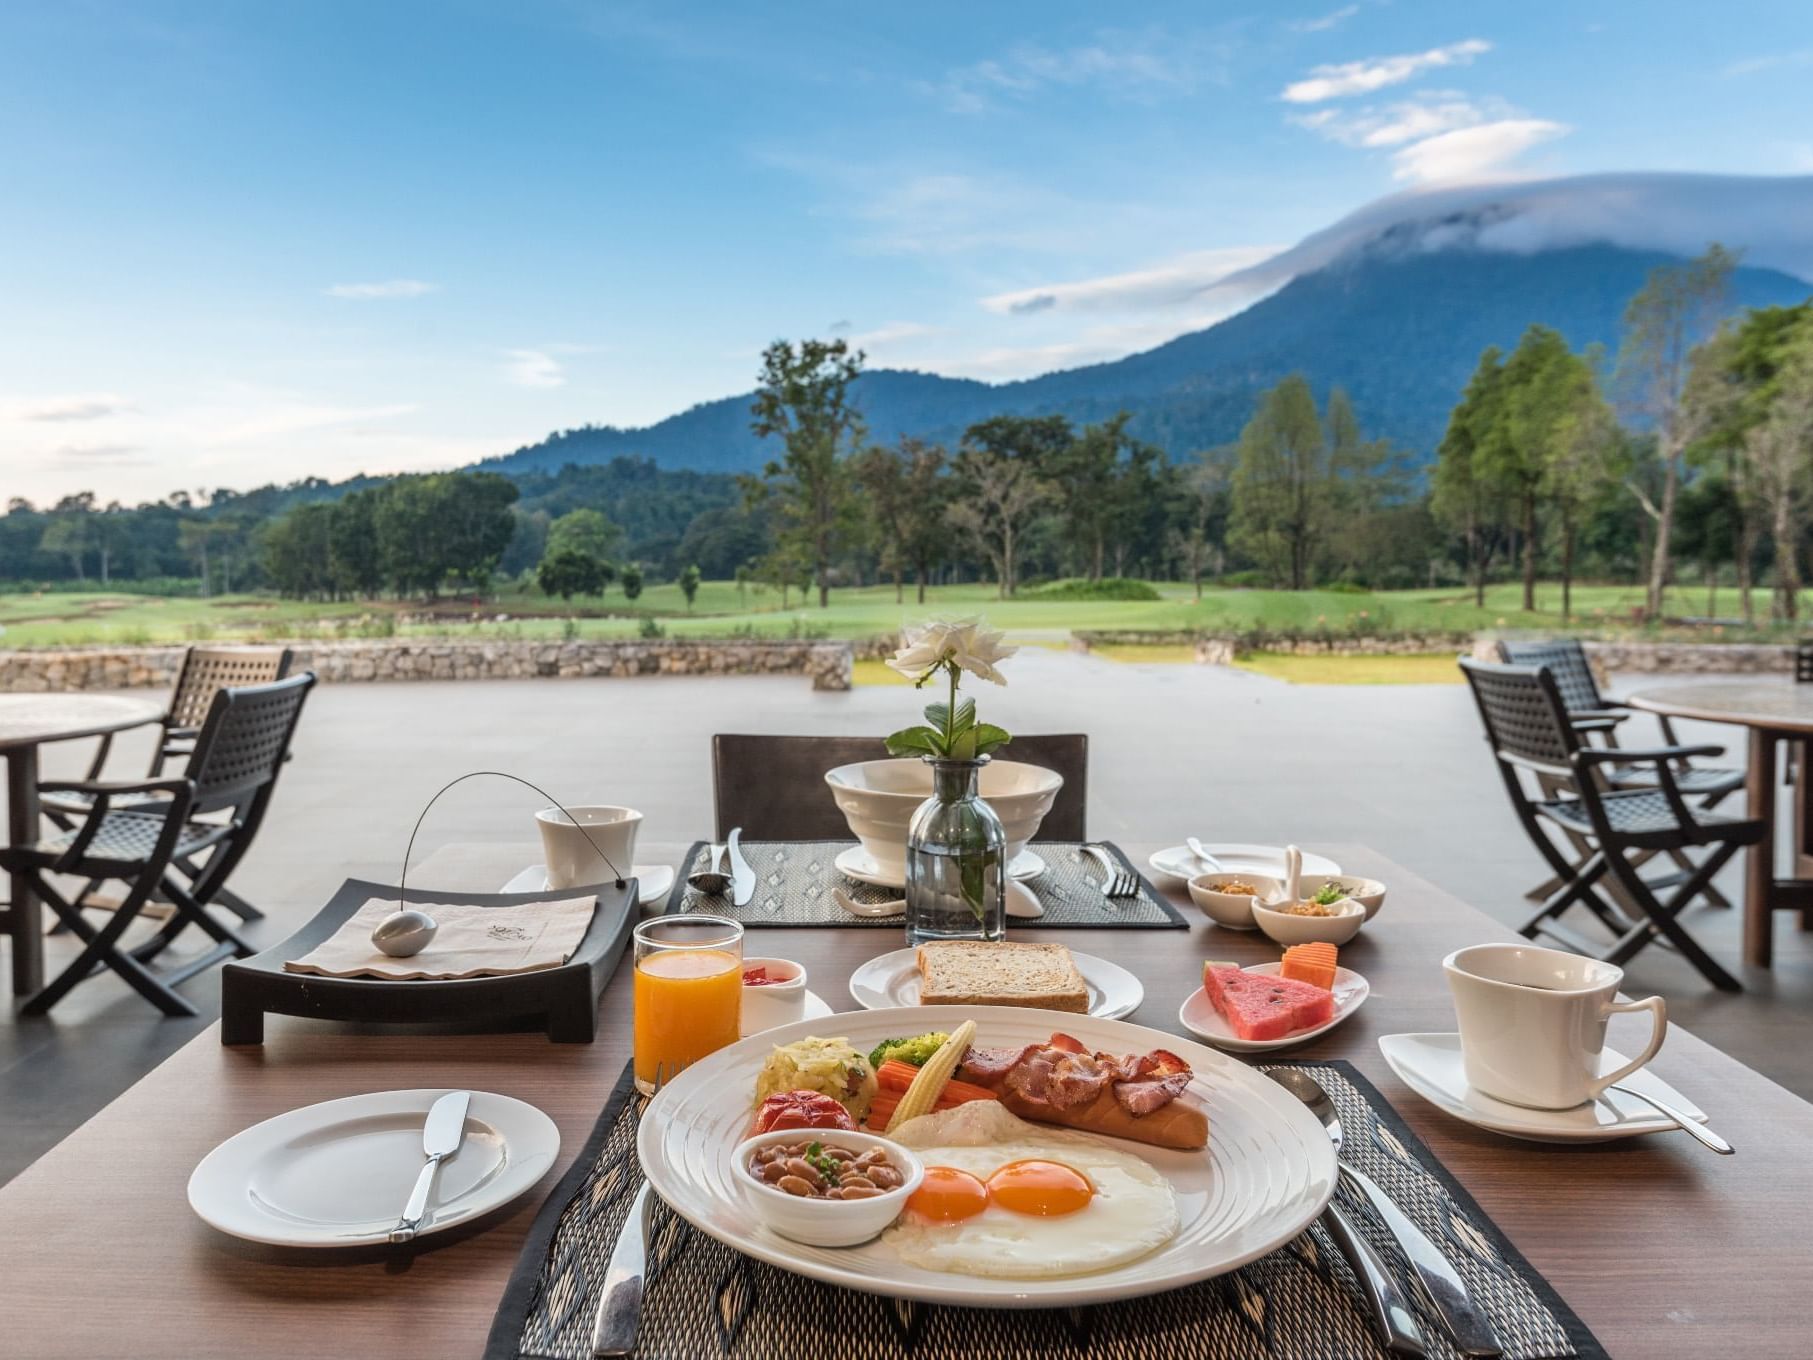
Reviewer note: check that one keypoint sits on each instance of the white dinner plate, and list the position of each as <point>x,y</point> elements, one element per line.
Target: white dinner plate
<point>1177,861</point>
<point>817,1008</point>
<point>1199,1016</point>
<point>1267,1172</point>
<point>859,864</point>
<point>652,882</point>
<point>893,980</point>
<point>337,1174</point>
<point>1430,1065</point>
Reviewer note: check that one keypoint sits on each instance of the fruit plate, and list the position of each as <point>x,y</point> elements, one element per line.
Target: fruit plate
<point>1268,1170</point>
<point>1199,1016</point>
<point>893,980</point>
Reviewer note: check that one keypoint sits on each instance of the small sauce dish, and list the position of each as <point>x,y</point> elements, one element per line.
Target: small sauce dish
<point>779,1001</point>
<point>825,1222</point>
<point>1232,910</point>
<point>1286,928</point>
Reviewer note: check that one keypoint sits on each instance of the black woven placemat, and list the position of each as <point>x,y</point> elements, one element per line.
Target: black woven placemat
<point>794,880</point>
<point>1301,1302</point>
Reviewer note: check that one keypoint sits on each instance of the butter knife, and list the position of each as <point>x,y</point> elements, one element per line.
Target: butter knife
<point>1472,1334</point>
<point>442,1135</point>
<point>620,1308</point>
<point>1390,1311</point>
<point>742,877</point>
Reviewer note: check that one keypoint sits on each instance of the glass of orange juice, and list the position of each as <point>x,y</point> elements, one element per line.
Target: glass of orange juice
<point>689,992</point>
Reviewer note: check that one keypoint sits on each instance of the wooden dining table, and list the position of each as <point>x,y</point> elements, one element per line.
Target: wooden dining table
<point>1665,1250</point>
<point>28,721</point>
<point>1776,711</point>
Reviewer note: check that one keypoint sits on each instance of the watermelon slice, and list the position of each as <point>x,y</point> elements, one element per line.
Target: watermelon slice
<point>1259,1008</point>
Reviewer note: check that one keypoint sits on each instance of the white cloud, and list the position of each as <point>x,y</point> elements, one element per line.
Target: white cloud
<point>90,406</point>
<point>1326,21</point>
<point>1129,65</point>
<point>389,288</point>
<point>1800,57</point>
<point>1342,79</point>
<point>1409,120</point>
<point>1473,152</point>
<point>533,368</point>
<point>1163,284</point>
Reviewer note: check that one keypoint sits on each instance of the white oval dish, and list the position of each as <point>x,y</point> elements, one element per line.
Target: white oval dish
<point>1267,1173</point>
<point>893,980</point>
<point>825,1222</point>
<point>1176,861</point>
<point>1199,1016</point>
<point>337,1174</point>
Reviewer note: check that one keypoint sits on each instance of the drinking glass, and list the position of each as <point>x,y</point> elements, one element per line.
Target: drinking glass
<point>689,992</point>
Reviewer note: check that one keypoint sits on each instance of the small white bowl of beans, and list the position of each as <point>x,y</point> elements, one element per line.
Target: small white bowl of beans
<point>844,1192</point>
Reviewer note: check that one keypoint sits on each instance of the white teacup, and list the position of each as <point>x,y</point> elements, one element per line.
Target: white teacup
<point>1532,1022</point>
<point>572,851</point>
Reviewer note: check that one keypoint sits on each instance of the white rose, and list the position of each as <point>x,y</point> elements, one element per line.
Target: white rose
<point>970,644</point>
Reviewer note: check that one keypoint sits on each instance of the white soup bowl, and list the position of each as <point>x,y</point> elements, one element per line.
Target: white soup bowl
<point>879,797</point>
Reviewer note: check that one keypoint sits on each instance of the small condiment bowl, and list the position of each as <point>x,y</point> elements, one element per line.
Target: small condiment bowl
<point>1368,892</point>
<point>773,1003</point>
<point>1233,910</point>
<point>824,1222</point>
<point>1286,929</point>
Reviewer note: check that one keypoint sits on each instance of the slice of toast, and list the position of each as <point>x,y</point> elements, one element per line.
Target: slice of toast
<point>978,973</point>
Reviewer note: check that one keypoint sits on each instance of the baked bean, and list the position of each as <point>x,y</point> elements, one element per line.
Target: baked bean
<point>793,1185</point>
<point>860,1192</point>
<point>886,1177</point>
<point>833,1172</point>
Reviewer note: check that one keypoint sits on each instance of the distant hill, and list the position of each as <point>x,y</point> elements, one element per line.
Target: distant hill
<point>1394,318</point>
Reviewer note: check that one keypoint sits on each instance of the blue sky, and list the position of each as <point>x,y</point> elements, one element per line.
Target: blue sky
<point>252,242</point>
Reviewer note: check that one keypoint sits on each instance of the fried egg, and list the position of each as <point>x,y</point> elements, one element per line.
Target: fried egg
<point>1013,1200</point>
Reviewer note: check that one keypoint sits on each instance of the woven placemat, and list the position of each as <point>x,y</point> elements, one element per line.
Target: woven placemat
<point>794,880</point>
<point>1301,1302</point>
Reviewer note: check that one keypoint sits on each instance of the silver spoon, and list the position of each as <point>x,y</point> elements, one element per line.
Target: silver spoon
<point>1465,1323</point>
<point>709,880</point>
<point>1692,1126</point>
<point>1213,865</point>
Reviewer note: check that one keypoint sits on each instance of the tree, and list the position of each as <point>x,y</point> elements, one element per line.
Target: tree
<point>1586,458</point>
<point>354,559</point>
<point>1283,485</point>
<point>1538,382</point>
<point>1461,493</point>
<point>1191,541</point>
<point>1675,311</point>
<point>995,497</point>
<point>689,584</point>
<point>1778,447</point>
<point>567,572</point>
<point>632,581</point>
<point>583,531</point>
<point>907,493</point>
<point>69,533</point>
<point>804,400</point>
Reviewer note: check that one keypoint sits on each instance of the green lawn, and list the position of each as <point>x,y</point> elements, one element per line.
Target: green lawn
<point>35,620</point>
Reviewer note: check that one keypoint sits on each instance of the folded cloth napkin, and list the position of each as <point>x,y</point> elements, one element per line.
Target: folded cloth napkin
<point>471,942</point>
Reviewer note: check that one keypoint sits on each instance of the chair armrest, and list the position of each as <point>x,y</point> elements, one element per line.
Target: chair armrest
<point>1612,713</point>
<point>114,788</point>
<point>1657,755</point>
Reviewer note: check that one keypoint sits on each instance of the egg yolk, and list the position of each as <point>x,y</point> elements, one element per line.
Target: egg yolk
<point>1046,1189</point>
<point>947,1195</point>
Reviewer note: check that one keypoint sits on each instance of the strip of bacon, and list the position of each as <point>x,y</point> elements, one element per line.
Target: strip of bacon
<point>1142,1097</point>
<point>1063,1074</point>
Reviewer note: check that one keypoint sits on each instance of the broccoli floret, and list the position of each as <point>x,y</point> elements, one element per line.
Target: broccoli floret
<point>917,1050</point>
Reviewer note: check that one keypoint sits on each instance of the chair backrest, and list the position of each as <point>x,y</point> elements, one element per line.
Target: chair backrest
<point>1566,661</point>
<point>243,741</point>
<point>774,787</point>
<point>207,670</point>
<point>1526,721</point>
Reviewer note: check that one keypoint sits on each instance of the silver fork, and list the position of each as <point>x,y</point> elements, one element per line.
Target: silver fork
<point>620,1307</point>
<point>1116,881</point>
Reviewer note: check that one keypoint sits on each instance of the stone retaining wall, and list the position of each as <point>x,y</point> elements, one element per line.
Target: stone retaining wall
<point>1675,658</point>
<point>1220,650</point>
<point>827,664</point>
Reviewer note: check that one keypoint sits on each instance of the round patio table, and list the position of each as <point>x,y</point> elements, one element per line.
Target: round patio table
<point>1774,711</point>
<point>28,721</point>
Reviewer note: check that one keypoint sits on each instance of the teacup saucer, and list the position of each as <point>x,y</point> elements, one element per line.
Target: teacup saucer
<point>859,864</point>
<point>652,882</point>
<point>817,1008</point>
<point>1430,1065</point>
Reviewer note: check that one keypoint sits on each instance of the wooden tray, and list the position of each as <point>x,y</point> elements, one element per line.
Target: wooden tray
<point>562,1000</point>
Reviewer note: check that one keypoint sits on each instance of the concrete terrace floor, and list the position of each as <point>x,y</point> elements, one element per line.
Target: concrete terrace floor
<point>1177,749</point>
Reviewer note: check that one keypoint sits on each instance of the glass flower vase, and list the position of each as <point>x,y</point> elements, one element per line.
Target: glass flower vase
<point>956,886</point>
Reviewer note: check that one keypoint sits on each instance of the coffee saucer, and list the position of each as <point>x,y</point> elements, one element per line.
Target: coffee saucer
<point>1430,1065</point>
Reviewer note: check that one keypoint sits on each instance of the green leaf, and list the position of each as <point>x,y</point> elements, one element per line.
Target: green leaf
<point>989,738</point>
<point>936,714</point>
<point>963,745</point>
<point>966,715</point>
<point>915,741</point>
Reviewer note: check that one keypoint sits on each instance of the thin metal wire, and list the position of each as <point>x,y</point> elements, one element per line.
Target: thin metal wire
<point>403,875</point>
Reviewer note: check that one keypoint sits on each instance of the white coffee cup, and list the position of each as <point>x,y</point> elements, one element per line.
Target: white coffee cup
<point>572,851</point>
<point>1532,1022</point>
